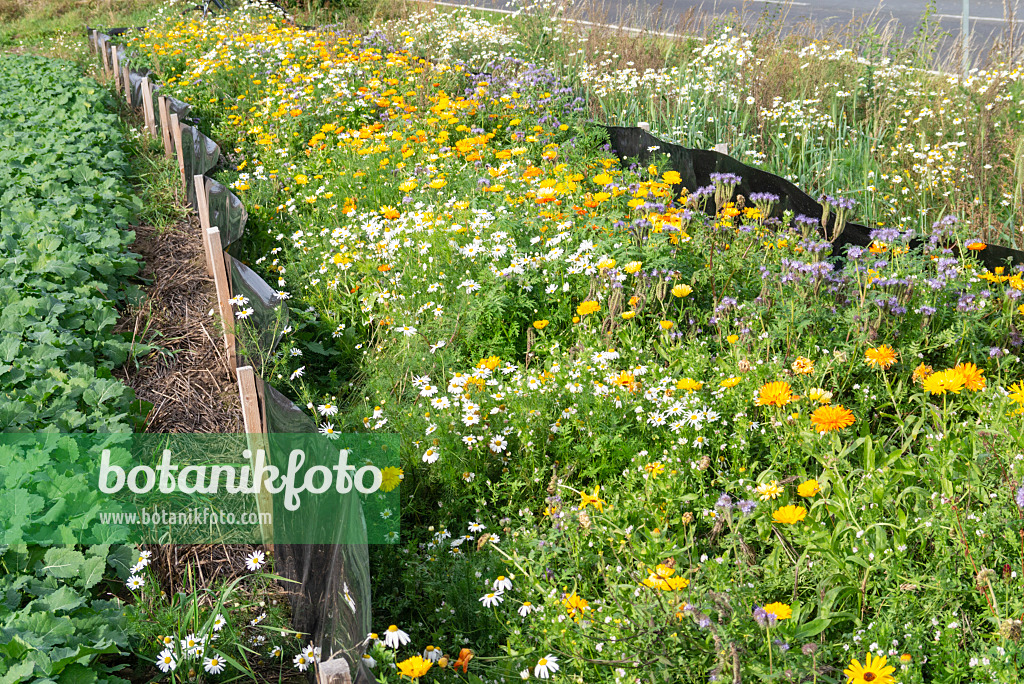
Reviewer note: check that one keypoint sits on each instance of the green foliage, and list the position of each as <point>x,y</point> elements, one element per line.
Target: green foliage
<point>52,620</point>
<point>62,206</point>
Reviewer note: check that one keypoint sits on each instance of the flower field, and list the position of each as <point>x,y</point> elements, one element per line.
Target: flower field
<point>649,434</point>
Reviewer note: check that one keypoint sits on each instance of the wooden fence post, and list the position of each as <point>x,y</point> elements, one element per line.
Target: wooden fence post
<point>106,56</point>
<point>165,125</point>
<point>644,125</point>
<point>115,64</point>
<point>203,209</point>
<point>255,433</point>
<point>176,135</point>
<point>220,280</point>
<point>147,106</point>
<point>127,81</point>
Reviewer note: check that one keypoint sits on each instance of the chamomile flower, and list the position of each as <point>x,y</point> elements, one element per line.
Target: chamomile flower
<point>255,560</point>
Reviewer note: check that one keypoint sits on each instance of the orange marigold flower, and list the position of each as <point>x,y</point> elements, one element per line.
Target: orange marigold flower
<point>588,308</point>
<point>976,246</point>
<point>882,356</point>
<point>828,418</point>
<point>808,489</point>
<point>922,372</point>
<point>781,611</point>
<point>789,515</point>
<point>775,394</point>
<point>972,376</point>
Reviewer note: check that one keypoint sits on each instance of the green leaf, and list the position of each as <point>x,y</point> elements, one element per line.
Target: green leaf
<point>62,563</point>
<point>63,599</point>
<point>20,672</point>
<point>812,628</point>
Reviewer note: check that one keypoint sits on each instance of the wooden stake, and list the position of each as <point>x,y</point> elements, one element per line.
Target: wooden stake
<point>176,134</point>
<point>255,433</point>
<point>165,125</point>
<point>106,56</point>
<point>220,280</point>
<point>115,65</point>
<point>203,208</point>
<point>147,106</point>
<point>127,81</point>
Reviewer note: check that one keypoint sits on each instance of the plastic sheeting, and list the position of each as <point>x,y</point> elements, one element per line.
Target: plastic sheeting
<point>331,599</point>
<point>696,166</point>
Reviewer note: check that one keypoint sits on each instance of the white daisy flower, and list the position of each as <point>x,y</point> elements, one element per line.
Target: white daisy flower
<point>136,582</point>
<point>255,560</point>
<point>301,662</point>
<point>476,527</point>
<point>368,661</point>
<point>214,665</point>
<point>219,622</point>
<point>502,584</point>
<point>526,609</point>
<point>394,637</point>
<point>432,654</point>
<point>492,599</point>
<point>165,661</point>
<point>546,666</point>
<point>276,652</point>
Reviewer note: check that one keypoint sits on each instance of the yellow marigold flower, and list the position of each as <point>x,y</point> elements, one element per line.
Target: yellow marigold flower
<point>802,366</point>
<point>666,325</point>
<point>682,290</point>
<point>606,262</point>
<point>768,490</point>
<point>972,376</point>
<point>808,489</point>
<point>633,266</point>
<point>390,478</point>
<point>874,671</point>
<point>775,394</point>
<point>780,610</point>
<point>828,418</point>
<point>943,381</point>
<point>671,177</point>
<point>602,179</point>
<point>389,212</point>
<point>301,179</point>
<point>906,658</point>
<point>882,356</point>
<point>490,363</point>
<point>689,385</point>
<point>540,325</point>
<point>819,395</point>
<point>729,382</point>
<point>1016,395</point>
<point>789,515</point>
<point>626,315</point>
<point>414,667</point>
<point>732,339</point>
<point>587,308</point>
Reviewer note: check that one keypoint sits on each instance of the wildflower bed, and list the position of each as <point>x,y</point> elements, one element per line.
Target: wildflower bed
<point>641,441</point>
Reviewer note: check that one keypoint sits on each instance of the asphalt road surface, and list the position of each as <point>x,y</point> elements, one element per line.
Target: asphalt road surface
<point>997,26</point>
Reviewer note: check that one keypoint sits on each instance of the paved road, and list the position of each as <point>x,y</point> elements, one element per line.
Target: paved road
<point>994,23</point>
